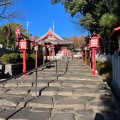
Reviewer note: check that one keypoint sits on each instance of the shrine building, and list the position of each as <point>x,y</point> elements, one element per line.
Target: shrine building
<point>53,46</point>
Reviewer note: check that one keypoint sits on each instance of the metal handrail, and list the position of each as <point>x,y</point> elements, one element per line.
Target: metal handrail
<point>31,70</point>
<point>35,70</point>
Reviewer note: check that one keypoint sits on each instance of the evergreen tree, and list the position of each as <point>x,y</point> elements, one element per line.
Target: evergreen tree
<point>7,33</point>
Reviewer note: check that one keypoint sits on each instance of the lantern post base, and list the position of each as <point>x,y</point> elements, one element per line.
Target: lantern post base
<point>94,73</point>
<point>94,61</point>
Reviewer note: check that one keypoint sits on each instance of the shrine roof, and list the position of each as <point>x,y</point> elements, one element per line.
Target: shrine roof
<point>55,42</point>
<point>51,34</point>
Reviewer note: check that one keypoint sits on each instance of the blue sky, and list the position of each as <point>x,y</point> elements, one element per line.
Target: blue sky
<point>41,15</point>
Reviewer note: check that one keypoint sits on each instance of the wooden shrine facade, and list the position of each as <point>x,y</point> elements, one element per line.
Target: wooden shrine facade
<point>54,46</point>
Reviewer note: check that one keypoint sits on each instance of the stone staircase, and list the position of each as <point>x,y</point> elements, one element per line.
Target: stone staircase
<point>72,94</point>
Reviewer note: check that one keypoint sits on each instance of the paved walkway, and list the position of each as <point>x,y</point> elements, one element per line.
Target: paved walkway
<point>75,95</point>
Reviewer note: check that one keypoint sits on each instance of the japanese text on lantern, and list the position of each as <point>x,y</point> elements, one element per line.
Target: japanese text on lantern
<point>94,42</point>
<point>23,45</point>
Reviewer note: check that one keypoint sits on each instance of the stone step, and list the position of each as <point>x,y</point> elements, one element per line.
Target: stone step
<point>69,91</point>
<point>41,102</point>
<point>75,95</point>
<point>40,77</point>
<point>19,91</point>
<point>54,69</point>
<point>10,101</point>
<point>70,103</point>
<point>24,115</point>
<point>55,83</point>
<point>68,67</point>
<point>64,65</point>
<point>78,66</point>
<point>78,83</point>
<point>59,73</point>
<point>91,78</point>
<point>68,71</point>
<point>49,91</point>
<point>83,114</point>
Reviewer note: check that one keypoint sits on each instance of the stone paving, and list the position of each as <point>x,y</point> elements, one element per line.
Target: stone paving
<point>74,95</point>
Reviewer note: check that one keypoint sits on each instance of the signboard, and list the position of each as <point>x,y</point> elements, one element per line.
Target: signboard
<point>23,45</point>
<point>94,42</point>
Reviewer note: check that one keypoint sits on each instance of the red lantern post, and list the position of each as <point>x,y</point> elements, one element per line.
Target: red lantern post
<point>23,48</point>
<point>24,62</point>
<point>93,45</point>
<point>23,45</point>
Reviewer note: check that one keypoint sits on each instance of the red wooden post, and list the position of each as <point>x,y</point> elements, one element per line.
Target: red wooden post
<point>93,45</point>
<point>24,62</point>
<point>94,61</point>
<point>23,45</point>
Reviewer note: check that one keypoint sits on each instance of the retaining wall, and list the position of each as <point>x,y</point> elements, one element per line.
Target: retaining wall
<point>14,69</point>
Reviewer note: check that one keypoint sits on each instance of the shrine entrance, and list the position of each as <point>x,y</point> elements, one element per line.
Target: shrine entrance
<point>53,46</point>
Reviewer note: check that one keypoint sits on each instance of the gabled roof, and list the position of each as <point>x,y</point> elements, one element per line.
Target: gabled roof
<point>50,35</point>
<point>55,42</point>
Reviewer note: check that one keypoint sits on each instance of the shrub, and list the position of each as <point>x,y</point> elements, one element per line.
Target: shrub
<point>33,56</point>
<point>104,67</point>
<point>10,58</point>
<point>14,57</point>
<point>5,58</point>
<point>27,56</point>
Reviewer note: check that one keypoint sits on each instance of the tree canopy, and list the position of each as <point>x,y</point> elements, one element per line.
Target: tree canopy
<point>101,16</point>
<point>94,14</point>
<point>7,33</point>
<point>77,41</point>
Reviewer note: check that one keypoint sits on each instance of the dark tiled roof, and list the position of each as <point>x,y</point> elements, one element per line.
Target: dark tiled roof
<point>55,42</point>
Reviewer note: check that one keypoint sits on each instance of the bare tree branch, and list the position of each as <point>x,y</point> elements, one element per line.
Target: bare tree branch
<point>3,11</point>
<point>4,2</point>
<point>8,9</point>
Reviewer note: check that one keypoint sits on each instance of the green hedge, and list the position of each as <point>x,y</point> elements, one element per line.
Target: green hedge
<point>33,56</point>
<point>104,67</point>
<point>16,58</point>
<point>10,58</point>
<point>5,58</point>
<point>27,56</point>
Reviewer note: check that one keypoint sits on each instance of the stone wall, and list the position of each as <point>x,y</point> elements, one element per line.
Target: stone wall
<point>14,69</point>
